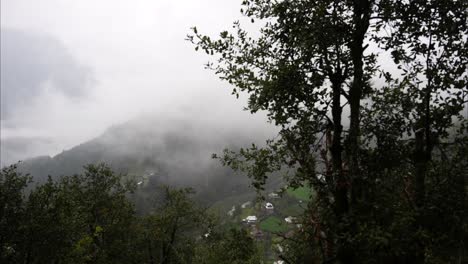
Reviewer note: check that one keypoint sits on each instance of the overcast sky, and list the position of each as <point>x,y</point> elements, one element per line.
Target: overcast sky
<point>70,69</point>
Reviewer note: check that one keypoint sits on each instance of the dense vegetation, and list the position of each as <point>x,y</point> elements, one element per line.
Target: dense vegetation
<point>89,218</point>
<point>369,96</point>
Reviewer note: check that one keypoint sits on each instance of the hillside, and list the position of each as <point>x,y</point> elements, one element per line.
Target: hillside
<point>154,151</point>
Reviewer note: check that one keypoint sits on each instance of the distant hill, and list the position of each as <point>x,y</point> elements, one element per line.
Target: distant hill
<point>155,151</point>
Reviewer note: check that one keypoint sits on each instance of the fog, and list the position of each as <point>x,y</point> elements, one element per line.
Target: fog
<point>71,69</point>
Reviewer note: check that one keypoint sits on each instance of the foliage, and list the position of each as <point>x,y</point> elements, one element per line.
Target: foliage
<point>88,218</point>
<point>172,229</point>
<point>12,211</point>
<point>380,178</point>
<point>231,246</point>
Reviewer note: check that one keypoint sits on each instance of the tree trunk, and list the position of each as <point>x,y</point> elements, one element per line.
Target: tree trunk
<point>168,247</point>
<point>361,17</point>
<point>150,252</point>
<point>341,191</point>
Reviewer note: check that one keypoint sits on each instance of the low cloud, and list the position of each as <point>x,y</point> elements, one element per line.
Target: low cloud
<point>33,65</point>
<point>68,74</point>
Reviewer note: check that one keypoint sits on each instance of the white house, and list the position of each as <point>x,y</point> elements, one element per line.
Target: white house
<point>269,206</point>
<point>251,219</point>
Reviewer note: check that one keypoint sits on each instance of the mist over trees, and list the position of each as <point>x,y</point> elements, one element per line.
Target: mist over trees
<point>368,99</point>
<point>158,150</point>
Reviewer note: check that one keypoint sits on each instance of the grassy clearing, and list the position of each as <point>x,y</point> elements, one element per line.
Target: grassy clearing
<point>246,212</point>
<point>223,206</point>
<point>273,224</point>
<point>291,210</point>
<point>301,193</point>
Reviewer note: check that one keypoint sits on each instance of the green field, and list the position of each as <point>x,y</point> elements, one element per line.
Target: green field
<point>301,193</point>
<point>246,212</point>
<point>291,210</point>
<point>223,206</point>
<point>273,224</point>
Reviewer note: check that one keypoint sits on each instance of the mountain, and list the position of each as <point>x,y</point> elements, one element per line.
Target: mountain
<point>156,151</point>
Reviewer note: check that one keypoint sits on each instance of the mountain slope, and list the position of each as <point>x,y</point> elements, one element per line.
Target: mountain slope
<point>157,151</point>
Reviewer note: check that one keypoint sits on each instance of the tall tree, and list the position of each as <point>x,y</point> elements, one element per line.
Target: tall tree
<point>311,60</point>
<point>307,60</point>
<point>428,43</point>
<point>104,213</point>
<point>171,229</point>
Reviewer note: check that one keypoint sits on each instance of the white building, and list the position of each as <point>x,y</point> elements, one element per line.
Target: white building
<point>251,219</point>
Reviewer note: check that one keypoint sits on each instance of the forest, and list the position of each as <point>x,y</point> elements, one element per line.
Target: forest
<point>369,163</point>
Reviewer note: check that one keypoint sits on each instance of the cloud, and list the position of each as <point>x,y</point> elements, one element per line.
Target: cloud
<point>13,149</point>
<point>34,64</point>
<point>136,52</point>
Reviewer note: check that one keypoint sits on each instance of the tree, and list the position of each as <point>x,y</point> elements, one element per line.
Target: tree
<point>311,60</point>
<point>48,226</point>
<point>427,42</point>
<point>104,215</point>
<point>171,229</point>
<point>88,218</point>
<point>227,247</point>
<point>12,211</point>
<point>83,218</point>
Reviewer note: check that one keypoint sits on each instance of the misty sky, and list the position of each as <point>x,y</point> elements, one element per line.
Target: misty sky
<point>70,69</point>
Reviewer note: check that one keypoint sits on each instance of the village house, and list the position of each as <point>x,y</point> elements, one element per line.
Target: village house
<point>269,206</point>
<point>250,219</point>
